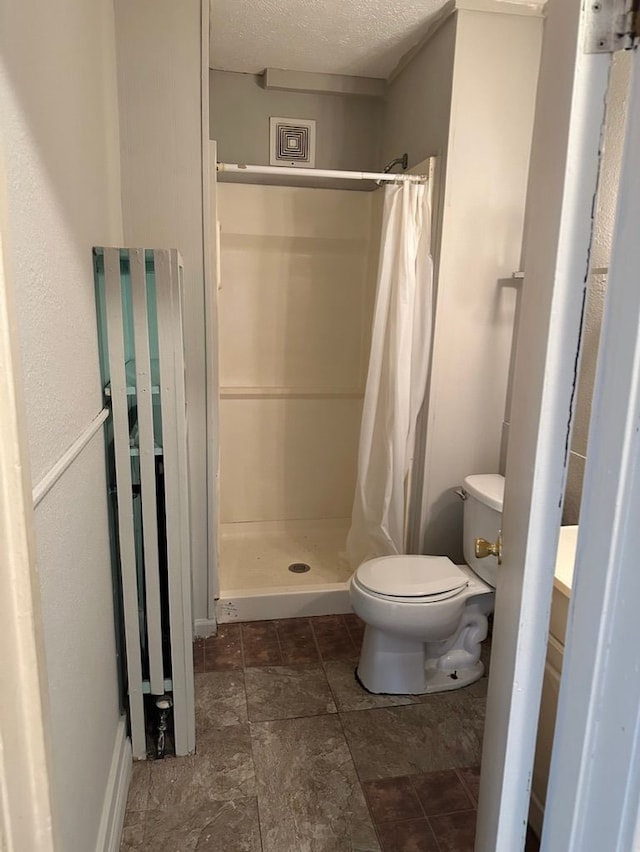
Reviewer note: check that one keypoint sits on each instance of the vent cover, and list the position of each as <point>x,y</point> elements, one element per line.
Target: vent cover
<point>293,142</point>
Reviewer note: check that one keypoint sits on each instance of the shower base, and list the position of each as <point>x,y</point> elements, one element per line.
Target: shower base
<point>255,581</point>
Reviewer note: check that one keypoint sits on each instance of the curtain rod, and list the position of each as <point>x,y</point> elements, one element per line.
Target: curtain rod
<point>238,168</point>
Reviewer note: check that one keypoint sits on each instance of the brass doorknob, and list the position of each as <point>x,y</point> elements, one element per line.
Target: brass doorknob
<point>489,548</point>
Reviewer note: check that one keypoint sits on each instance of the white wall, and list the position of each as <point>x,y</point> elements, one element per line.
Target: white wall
<point>348,126</point>
<point>59,132</point>
<point>295,311</point>
<point>418,103</point>
<point>468,96</point>
<point>493,100</point>
<point>160,89</point>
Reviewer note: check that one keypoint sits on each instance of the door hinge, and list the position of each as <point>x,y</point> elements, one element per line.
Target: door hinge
<point>611,25</point>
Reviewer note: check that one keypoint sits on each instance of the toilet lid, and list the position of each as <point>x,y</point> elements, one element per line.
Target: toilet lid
<point>411,576</point>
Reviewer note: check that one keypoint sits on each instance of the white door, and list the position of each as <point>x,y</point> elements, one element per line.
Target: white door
<point>594,787</point>
<point>563,179</point>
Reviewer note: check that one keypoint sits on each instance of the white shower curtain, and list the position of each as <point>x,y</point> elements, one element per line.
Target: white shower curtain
<point>397,377</point>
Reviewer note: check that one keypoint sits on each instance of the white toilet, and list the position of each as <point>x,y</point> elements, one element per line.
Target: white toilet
<point>425,616</point>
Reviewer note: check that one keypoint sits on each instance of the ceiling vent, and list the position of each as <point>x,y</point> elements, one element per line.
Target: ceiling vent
<point>293,142</point>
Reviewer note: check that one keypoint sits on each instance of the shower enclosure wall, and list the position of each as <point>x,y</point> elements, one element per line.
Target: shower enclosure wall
<point>295,300</point>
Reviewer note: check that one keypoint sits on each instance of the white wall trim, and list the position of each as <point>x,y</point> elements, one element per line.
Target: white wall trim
<point>66,460</point>
<point>115,800</point>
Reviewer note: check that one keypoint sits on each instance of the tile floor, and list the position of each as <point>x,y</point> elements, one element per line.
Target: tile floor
<point>294,756</point>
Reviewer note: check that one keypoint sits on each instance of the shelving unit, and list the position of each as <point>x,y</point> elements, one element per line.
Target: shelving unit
<point>139,310</point>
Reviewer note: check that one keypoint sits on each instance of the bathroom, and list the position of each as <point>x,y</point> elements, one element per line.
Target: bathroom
<point>140,148</point>
<point>293,355</point>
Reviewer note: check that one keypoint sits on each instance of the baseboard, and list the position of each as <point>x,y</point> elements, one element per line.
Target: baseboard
<point>204,627</point>
<point>115,799</point>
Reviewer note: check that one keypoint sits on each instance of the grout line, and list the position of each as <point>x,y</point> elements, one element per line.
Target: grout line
<point>433,816</point>
<point>415,793</point>
<point>435,836</point>
<point>275,630</point>
<point>241,648</point>
<point>355,767</point>
<point>317,644</point>
<point>255,780</point>
<point>467,789</point>
<point>353,641</point>
<point>293,718</point>
<point>356,642</point>
<point>253,756</point>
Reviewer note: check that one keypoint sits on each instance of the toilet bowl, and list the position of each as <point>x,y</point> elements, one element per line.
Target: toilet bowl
<point>425,616</point>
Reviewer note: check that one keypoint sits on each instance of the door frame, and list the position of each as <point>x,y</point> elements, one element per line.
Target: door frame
<point>209,266</point>
<point>561,192</point>
<point>594,786</point>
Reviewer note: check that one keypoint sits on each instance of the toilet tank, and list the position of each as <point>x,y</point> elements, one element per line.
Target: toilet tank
<point>482,519</point>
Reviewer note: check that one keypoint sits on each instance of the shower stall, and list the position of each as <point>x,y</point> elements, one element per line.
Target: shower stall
<point>295,298</point>
<point>297,269</point>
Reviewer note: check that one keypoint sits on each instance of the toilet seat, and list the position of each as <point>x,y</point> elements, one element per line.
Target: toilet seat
<point>413,579</point>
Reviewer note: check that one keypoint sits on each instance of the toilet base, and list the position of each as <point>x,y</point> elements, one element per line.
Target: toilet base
<point>436,681</point>
<point>398,665</point>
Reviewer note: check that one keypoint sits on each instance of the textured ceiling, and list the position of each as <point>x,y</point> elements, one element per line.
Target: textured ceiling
<point>360,37</point>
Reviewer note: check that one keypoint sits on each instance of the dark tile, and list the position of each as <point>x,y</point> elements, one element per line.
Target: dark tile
<point>470,777</point>
<point>260,644</point>
<point>441,792</point>
<point>285,692</point>
<point>455,832</point>
<point>198,655</point>
<point>333,638</point>
<point>349,695</point>
<point>224,650</point>
<point>138,795</point>
<point>392,799</point>
<point>220,770</point>
<point>309,796</point>
<point>355,626</point>
<point>419,738</point>
<point>231,826</point>
<point>413,835</point>
<point>132,837</point>
<point>220,700</point>
<point>297,642</point>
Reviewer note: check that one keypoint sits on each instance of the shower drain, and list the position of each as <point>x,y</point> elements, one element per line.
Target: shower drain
<point>299,567</point>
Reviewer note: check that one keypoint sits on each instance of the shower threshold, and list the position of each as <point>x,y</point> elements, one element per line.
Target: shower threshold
<point>283,602</point>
